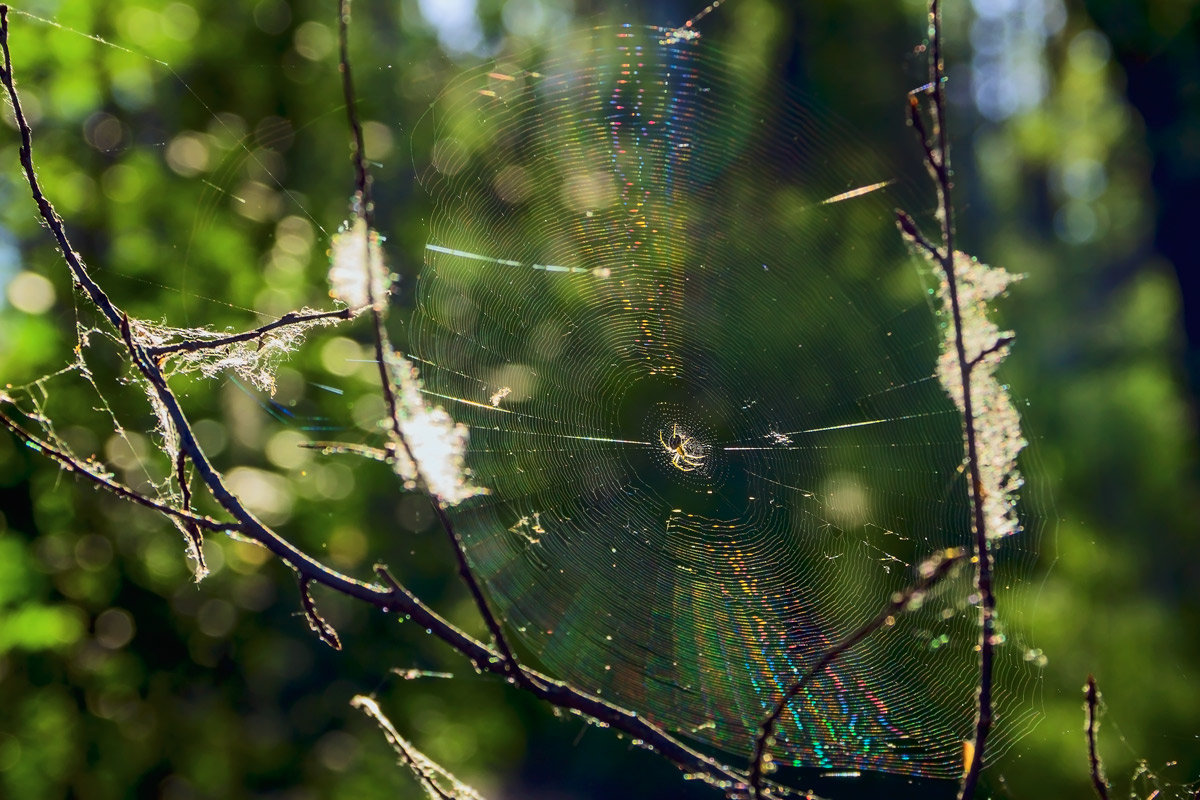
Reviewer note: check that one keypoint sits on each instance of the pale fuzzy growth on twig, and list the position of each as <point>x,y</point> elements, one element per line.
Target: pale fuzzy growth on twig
<point>165,427</point>
<point>437,442</point>
<point>435,780</point>
<point>356,263</point>
<point>254,360</point>
<point>997,424</point>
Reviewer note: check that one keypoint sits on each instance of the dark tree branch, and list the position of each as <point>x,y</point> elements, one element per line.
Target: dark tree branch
<point>190,529</point>
<point>936,149</point>
<point>290,318</point>
<point>996,346</point>
<point>1096,769</point>
<point>932,573</point>
<point>45,209</point>
<point>563,695</point>
<point>69,463</point>
<point>908,227</point>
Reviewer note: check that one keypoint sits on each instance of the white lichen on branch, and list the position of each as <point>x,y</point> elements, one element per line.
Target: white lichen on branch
<point>428,449</point>
<point>436,441</point>
<point>358,275</point>
<point>254,360</point>
<point>997,424</point>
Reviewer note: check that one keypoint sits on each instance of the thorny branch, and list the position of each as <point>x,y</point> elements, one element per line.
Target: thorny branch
<point>936,148</point>
<point>932,573</point>
<point>389,596</point>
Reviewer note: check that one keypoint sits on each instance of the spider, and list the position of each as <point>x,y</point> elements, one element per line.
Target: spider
<point>683,458</point>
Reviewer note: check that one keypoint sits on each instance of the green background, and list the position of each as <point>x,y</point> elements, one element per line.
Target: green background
<point>120,677</point>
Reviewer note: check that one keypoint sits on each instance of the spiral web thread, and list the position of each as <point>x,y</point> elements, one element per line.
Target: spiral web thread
<point>700,380</point>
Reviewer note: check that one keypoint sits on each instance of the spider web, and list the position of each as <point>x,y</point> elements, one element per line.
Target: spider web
<point>697,366</point>
<point>698,369</point>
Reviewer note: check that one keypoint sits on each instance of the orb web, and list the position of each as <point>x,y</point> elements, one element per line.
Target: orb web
<point>700,396</point>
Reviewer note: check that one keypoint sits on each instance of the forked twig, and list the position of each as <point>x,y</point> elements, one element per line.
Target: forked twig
<point>932,573</point>
<point>318,623</point>
<point>190,529</point>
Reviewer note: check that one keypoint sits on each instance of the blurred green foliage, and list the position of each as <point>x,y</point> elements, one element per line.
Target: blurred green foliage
<point>201,175</point>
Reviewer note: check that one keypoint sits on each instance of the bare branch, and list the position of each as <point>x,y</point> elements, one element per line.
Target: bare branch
<point>45,209</point>
<point>936,149</point>
<point>190,530</point>
<point>908,227</point>
<point>290,318</point>
<point>561,694</point>
<point>932,157</point>
<point>93,473</point>
<point>1096,769</point>
<point>429,774</point>
<point>932,573</point>
<point>996,347</point>
<point>304,564</point>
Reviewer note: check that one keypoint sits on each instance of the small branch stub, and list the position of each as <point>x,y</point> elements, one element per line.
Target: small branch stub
<point>1091,709</point>
<point>315,621</point>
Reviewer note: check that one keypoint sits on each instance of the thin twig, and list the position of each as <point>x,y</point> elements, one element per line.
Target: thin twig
<point>363,182</point>
<point>1095,767</point>
<point>45,209</point>
<point>908,226</point>
<point>424,769</point>
<point>936,150</point>
<point>932,573</point>
<point>290,318</point>
<point>996,347</point>
<point>69,463</point>
<point>318,623</point>
<point>189,528</point>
